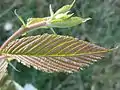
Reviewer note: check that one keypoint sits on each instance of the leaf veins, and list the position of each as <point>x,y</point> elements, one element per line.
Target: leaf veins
<point>54,53</point>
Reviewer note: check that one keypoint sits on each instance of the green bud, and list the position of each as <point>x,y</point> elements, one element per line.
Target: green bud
<point>35,20</point>
<point>11,85</point>
<point>65,23</point>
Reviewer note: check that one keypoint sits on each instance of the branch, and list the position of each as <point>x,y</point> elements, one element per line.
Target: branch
<point>21,31</point>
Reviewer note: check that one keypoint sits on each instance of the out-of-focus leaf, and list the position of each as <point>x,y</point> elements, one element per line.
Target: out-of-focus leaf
<point>54,53</point>
<point>51,11</point>
<point>11,85</point>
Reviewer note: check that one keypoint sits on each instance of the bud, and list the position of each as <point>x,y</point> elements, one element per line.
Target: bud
<point>64,9</point>
<point>69,22</point>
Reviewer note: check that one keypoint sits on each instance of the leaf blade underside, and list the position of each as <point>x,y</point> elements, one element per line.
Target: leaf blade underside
<point>3,68</point>
<point>54,53</point>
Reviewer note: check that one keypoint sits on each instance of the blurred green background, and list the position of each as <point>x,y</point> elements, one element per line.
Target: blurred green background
<point>103,30</point>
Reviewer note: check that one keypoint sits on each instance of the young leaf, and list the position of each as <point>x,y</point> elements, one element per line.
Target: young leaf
<point>65,23</point>
<point>54,53</point>
<point>63,16</point>
<point>20,18</point>
<point>61,19</point>
<point>51,11</point>
<point>64,9</point>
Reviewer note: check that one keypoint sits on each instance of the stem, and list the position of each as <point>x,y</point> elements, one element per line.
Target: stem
<point>20,18</point>
<point>53,31</point>
<point>21,31</point>
<point>13,66</point>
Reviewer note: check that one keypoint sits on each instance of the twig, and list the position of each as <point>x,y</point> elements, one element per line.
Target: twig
<point>23,30</point>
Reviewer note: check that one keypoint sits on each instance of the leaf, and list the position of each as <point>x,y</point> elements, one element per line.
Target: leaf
<point>63,16</point>
<point>3,68</point>
<point>65,23</point>
<point>54,53</point>
<point>20,18</point>
<point>35,20</point>
<point>64,9</point>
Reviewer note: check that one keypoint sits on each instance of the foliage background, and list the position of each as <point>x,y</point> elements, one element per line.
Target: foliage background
<point>103,30</point>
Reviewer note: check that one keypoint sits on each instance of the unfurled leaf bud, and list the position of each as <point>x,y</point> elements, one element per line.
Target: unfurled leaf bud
<point>65,23</point>
<point>64,9</point>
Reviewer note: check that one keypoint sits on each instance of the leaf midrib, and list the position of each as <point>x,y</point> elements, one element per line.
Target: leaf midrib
<point>61,55</point>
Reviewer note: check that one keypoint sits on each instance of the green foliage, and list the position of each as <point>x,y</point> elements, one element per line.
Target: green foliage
<point>64,9</point>
<point>103,29</point>
<point>61,18</point>
<point>3,66</point>
<point>65,23</point>
<point>35,20</point>
<point>11,85</point>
